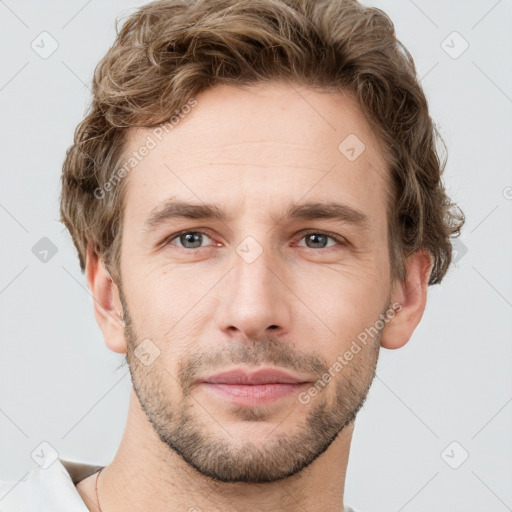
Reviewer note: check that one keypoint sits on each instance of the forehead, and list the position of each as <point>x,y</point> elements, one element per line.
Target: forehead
<point>256,148</point>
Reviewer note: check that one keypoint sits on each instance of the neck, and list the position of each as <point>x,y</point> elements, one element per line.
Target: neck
<point>147,475</point>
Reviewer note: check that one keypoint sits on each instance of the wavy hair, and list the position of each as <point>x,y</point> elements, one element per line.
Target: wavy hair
<point>168,51</point>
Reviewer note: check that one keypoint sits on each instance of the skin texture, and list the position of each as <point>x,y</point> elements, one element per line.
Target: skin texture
<point>299,305</point>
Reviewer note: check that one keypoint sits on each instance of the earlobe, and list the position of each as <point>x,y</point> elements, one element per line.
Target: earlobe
<point>411,295</point>
<point>107,305</point>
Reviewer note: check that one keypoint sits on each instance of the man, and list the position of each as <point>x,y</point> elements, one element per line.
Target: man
<point>256,200</point>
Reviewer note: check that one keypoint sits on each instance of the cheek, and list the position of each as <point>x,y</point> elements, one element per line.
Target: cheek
<point>171,308</point>
<point>340,305</point>
<point>157,295</point>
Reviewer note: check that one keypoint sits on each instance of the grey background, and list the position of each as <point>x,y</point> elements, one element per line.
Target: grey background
<point>451,382</point>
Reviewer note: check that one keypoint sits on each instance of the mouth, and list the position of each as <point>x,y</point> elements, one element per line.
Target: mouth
<point>253,389</point>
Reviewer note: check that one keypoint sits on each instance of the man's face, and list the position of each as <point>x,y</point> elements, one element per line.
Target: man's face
<point>257,289</point>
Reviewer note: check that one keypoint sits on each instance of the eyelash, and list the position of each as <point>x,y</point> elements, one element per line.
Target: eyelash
<point>340,241</point>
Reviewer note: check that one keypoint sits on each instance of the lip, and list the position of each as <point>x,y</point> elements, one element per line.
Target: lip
<point>253,389</point>
<point>262,376</point>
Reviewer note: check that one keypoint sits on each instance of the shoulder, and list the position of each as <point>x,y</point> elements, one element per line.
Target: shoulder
<point>50,489</point>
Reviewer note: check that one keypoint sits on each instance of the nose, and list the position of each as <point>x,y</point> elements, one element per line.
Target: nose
<point>255,300</point>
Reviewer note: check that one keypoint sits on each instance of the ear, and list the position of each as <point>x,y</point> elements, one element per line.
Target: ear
<point>411,298</point>
<point>107,304</point>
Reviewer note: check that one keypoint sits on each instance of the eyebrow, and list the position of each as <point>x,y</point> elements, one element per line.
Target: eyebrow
<point>173,209</point>
<point>329,210</point>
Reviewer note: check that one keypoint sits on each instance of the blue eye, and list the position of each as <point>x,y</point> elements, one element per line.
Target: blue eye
<point>193,239</point>
<point>319,240</point>
<point>189,239</point>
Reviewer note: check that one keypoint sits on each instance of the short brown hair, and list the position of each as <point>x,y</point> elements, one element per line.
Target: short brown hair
<point>168,51</point>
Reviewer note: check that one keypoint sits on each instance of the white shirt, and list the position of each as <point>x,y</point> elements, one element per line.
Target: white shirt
<point>47,490</point>
<point>52,489</point>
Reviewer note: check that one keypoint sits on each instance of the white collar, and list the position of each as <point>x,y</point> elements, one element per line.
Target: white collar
<point>52,489</point>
